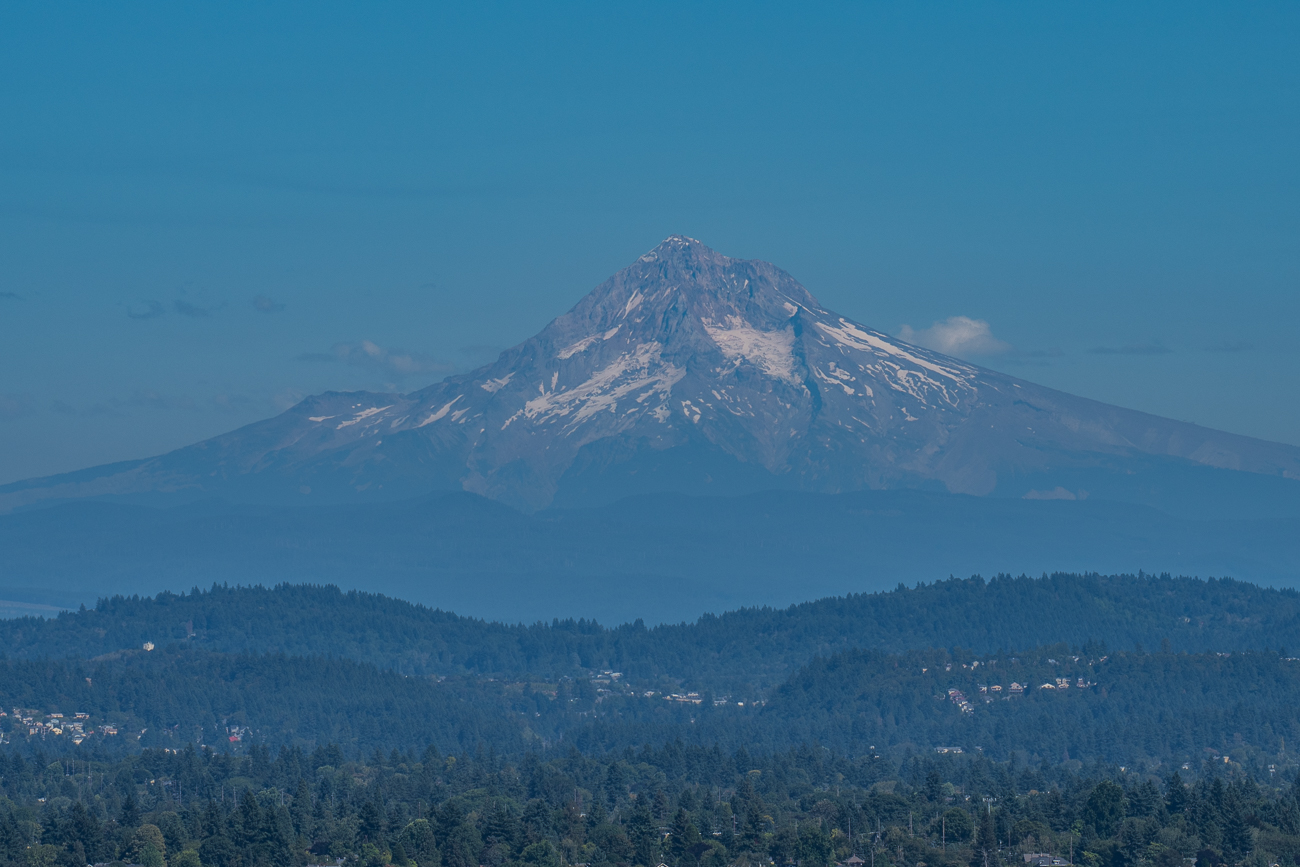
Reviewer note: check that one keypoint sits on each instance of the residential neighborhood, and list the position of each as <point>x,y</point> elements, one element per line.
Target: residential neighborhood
<point>989,692</point>
<point>32,723</point>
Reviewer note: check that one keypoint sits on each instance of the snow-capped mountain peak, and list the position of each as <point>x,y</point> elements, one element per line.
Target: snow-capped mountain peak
<point>687,370</point>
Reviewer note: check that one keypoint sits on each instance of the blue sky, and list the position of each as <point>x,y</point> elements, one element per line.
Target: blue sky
<point>208,211</point>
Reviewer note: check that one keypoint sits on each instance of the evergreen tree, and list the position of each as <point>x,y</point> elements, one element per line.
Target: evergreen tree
<point>643,832</point>
<point>1175,794</point>
<point>300,809</point>
<point>370,823</point>
<point>814,845</point>
<point>418,841</point>
<point>1104,808</point>
<point>129,816</point>
<point>985,850</point>
<point>683,840</point>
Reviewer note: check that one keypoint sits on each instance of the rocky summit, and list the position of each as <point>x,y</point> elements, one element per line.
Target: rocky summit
<point>690,371</point>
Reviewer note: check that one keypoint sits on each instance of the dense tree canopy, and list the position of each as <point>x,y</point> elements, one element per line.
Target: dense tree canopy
<point>679,805</point>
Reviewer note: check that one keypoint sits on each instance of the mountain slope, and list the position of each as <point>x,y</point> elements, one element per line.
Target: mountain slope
<point>690,371</point>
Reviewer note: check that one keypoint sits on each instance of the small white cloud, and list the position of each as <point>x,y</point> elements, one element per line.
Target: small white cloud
<point>393,362</point>
<point>957,335</point>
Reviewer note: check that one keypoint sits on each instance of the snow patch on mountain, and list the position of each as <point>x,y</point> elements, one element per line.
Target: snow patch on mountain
<point>581,345</point>
<point>849,334</point>
<point>642,373</point>
<point>633,303</point>
<point>440,413</point>
<point>896,359</point>
<point>362,416</point>
<point>835,378</point>
<point>771,351</point>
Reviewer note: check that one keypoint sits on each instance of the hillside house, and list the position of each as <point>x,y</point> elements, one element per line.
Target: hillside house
<point>1042,859</point>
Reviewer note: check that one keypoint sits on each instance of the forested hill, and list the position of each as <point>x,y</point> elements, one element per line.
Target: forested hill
<point>1055,703</point>
<point>1043,704</point>
<point>745,649</point>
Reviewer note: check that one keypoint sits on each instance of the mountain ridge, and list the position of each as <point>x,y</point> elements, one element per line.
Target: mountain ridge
<point>746,648</point>
<point>702,373</point>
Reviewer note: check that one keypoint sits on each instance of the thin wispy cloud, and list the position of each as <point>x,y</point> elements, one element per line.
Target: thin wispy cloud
<point>16,405</point>
<point>119,406</point>
<point>13,296</point>
<point>1231,346</point>
<point>149,399</point>
<point>396,363</point>
<point>262,304</point>
<point>193,311</point>
<point>1132,349</point>
<point>1057,493</point>
<point>1034,357</point>
<point>957,335</point>
<point>146,310</point>
<point>152,309</point>
<point>234,402</point>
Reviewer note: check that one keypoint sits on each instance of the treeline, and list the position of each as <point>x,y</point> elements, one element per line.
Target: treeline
<point>678,805</point>
<point>750,649</point>
<point>1049,704</point>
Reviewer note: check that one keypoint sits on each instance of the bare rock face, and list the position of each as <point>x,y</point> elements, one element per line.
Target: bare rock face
<point>687,371</point>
